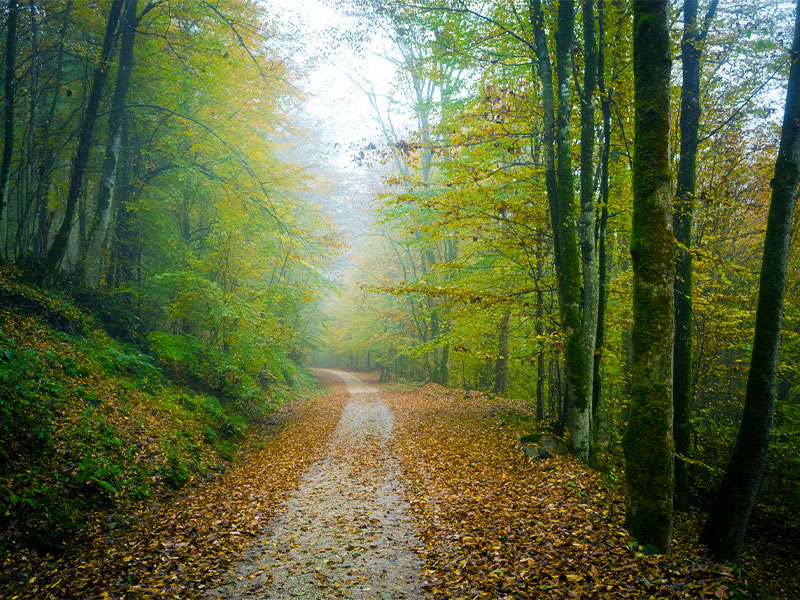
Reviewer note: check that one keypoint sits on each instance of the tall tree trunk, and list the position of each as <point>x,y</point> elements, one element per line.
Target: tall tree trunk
<point>108,181</point>
<point>561,195</point>
<point>45,166</point>
<point>540,356</point>
<point>571,320</point>
<point>451,250</point>
<point>545,71</point>
<point>123,239</point>
<point>539,329</point>
<point>23,224</point>
<point>730,512</point>
<point>8,118</point>
<point>602,226</point>
<point>59,247</point>
<point>648,443</point>
<point>587,221</point>
<point>682,210</point>
<point>501,363</point>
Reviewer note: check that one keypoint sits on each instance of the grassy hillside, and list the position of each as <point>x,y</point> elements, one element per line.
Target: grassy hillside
<point>90,427</point>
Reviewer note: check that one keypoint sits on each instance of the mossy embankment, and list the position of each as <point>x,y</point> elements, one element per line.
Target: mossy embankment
<point>93,429</point>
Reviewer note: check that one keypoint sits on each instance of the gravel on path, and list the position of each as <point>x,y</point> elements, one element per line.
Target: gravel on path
<point>345,532</point>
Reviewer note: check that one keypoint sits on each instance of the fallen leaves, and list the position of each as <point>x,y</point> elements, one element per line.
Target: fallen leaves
<point>492,522</point>
<point>498,524</point>
<point>183,548</point>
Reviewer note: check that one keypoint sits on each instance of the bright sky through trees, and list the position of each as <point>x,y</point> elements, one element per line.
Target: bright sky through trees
<point>334,101</point>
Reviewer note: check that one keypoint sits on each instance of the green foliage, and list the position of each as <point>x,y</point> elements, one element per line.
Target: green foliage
<point>28,391</point>
<point>91,423</point>
<point>100,470</point>
<point>129,360</point>
<point>176,473</point>
<point>181,354</point>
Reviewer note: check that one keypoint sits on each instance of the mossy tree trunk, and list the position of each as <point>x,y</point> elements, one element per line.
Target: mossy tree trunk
<point>45,169</point>
<point>724,530</point>
<point>586,228</point>
<point>108,181</point>
<point>501,363</point>
<point>682,210</point>
<point>561,195</point>
<point>540,371</point>
<point>570,284</point>
<point>648,442</point>
<point>602,226</point>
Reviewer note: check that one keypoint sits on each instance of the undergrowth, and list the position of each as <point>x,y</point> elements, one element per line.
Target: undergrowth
<point>90,425</point>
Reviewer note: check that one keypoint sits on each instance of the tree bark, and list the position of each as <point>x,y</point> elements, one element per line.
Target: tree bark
<point>46,165</point>
<point>571,321</point>
<point>540,356</point>
<point>8,118</point>
<point>648,443</point>
<point>545,71</point>
<point>108,181</point>
<point>24,221</point>
<point>587,221</point>
<point>561,195</point>
<point>123,239</point>
<point>682,211</point>
<point>724,531</point>
<point>59,247</point>
<point>602,226</point>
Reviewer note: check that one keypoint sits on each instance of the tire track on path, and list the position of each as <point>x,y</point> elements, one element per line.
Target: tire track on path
<point>345,532</point>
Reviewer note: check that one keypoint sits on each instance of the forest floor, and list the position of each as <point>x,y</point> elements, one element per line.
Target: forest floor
<point>401,493</point>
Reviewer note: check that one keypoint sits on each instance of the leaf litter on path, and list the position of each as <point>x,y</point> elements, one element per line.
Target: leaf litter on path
<point>496,524</point>
<point>345,531</point>
<point>320,512</point>
<point>180,549</point>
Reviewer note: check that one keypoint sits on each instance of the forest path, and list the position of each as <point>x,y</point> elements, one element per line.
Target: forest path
<point>317,510</point>
<point>345,531</point>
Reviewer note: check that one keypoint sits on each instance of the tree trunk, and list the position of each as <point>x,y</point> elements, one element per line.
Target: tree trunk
<point>46,165</point>
<point>562,214</point>
<point>730,512</point>
<point>108,181</point>
<point>8,118</point>
<point>682,210</point>
<point>571,320</point>
<point>545,71</point>
<point>501,364</point>
<point>605,107</point>
<point>648,443</point>
<point>123,240</point>
<point>587,221</point>
<point>24,219</point>
<point>540,356</point>
<point>59,247</point>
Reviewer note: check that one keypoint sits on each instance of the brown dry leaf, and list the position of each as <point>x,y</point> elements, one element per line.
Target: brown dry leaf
<point>497,525</point>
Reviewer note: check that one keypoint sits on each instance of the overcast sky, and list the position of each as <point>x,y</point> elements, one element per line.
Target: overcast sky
<point>338,113</point>
<point>341,109</point>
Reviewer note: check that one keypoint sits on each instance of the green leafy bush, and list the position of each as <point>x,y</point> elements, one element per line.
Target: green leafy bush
<point>27,393</point>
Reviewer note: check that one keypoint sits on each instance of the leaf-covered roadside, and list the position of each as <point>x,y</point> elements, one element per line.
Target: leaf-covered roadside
<point>183,548</point>
<point>496,524</point>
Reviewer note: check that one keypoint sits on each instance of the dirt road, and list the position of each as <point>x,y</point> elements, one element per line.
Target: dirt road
<point>344,532</point>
